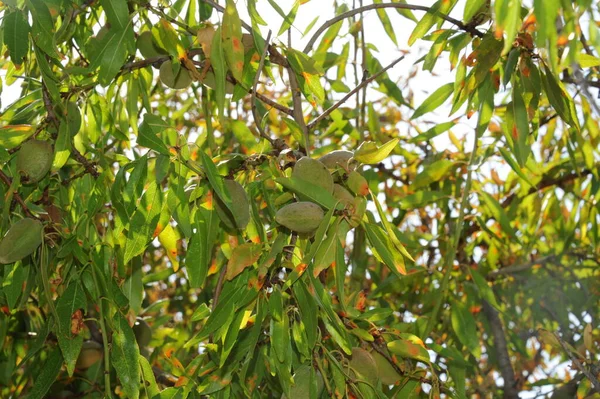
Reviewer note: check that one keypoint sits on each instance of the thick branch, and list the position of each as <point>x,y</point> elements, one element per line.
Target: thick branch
<point>506,369</point>
<point>369,7</point>
<point>362,84</point>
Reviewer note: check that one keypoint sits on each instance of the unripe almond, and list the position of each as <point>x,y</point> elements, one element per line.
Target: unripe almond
<point>181,81</point>
<point>301,217</point>
<point>363,364</point>
<point>340,193</point>
<point>301,387</point>
<point>34,159</point>
<point>145,44</point>
<point>239,218</point>
<point>313,171</point>
<point>21,240</point>
<point>91,353</point>
<point>338,159</point>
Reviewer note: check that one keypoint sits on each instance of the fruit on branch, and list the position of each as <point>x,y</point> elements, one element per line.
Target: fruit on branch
<point>387,372</point>
<point>340,193</point>
<point>91,353</point>
<point>21,240</point>
<point>143,332</point>
<point>301,217</point>
<point>363,364</point>
<point>180,81</point>
<point>338,159</point>
<point>147,47</point>
<point>301,387</point>
<point>239,218</point>
<point>34,159</point>
<point>313,171</point>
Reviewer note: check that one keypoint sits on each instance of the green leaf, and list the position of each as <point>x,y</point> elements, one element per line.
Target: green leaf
<point>311,191</point>
<point>385,21</point>
<point>429,19</point>
<point>520,131</point>
<point>407,349</point>
<point>148,380</point>
<point>485,291</point>
<point>117,13</point>
<point>369,153</point>
<point>288,19</point>
<point>254,15</point>
<point>149,131</point>
<point>231,33</point>
<point>434,100</point>
<point>112,51</point>
<point>217,61</point>
<point>471,8</point>
<point>47,376</point>
<point>463,324</point>
<point>125,356</point>
<point>243,255</point>
<point>13,135</point>
<point>558,97</point>
<point>420,199</point>
<point>384,249</point>
<point>499,214</point>
<point>42,31</point>
<point>70,302</point>
<point>62,146</point>
<point>16,35</point>
<point>432,133</point>
<point>432,173</point>
<point>143,222</point>
<point>197,259</point>
<point>507,21</point>
<point>216,181</point>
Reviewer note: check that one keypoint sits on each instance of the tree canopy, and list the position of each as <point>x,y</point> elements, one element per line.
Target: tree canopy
<point>195,205</point>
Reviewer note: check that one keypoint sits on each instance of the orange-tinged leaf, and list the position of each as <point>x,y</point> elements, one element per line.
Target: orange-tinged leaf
<point>242,256</point>
<point>231,33</point>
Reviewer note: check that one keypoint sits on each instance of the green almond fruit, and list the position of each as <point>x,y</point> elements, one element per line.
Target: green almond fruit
<point>90,354</point>
<point>21,240</point>
<point>340,193</point>
<point>313,171</point>
<point>338,159</point>
<point>301,387</point>
<point>181,81</point>
<point>363,364</point>
<point>210,81</point>
<point>387,372</point>
<point>239,218</point>
<point>143,332</point>
<point>301,217</point>
<point>147,47</point>
<point>34,159</point>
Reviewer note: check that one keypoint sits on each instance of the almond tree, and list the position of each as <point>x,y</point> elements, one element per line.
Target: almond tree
<point>194,205</point>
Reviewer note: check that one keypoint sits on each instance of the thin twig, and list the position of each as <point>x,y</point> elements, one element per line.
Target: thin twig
<point>362,84</point>
<point>219,287</point>
<point>593,379</point>
<point>369,7</point>
<point>257,118</point>
<point>520,268</point>
<point>7,180</point>
<point>298,114</point>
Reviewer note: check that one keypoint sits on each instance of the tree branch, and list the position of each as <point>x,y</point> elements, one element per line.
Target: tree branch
<point>506,369</point>
<point>362,84</point>
<point>7,180</point>
<point>257,118</point>
<point>369,7</point>
<point>593,379</point>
